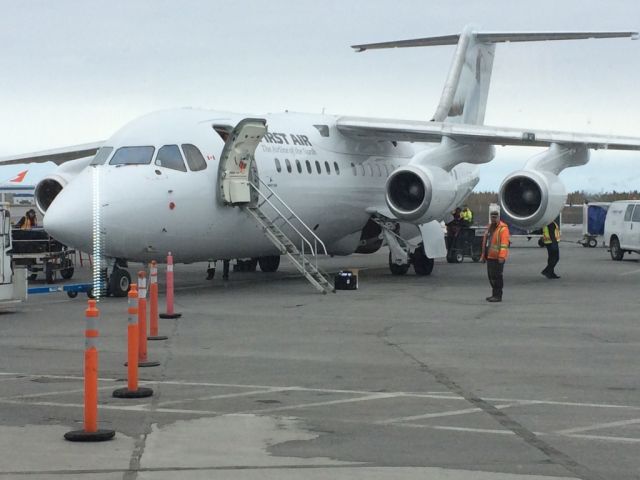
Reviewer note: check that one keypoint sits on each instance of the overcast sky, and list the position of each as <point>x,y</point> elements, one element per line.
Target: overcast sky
<point>74,71</point>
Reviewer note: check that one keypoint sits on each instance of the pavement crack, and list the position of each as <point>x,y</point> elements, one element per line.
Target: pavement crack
<point>141,442</point>
<point>553,454</point>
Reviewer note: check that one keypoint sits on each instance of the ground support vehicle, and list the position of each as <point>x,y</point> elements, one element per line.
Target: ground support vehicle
<point>13,280</point>
<point>71,290</point>
<point>622,228</point>
<point>593,218</point>
<point>40,253</point>
<point>467,242</point>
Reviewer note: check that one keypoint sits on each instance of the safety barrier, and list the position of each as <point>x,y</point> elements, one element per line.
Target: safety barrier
<point>153,303</point>
<point>142,322</point>
<point>90,433</point>
<point>170,312</point>
<point>132,390</point>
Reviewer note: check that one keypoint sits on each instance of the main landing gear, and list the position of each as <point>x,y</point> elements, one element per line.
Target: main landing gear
<point>422,265</point>
<point>403,254</point>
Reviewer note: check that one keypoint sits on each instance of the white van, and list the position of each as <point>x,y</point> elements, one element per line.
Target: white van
<point>622,228</point>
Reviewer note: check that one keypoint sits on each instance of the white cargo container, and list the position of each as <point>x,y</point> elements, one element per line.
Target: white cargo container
<point>622,228</point>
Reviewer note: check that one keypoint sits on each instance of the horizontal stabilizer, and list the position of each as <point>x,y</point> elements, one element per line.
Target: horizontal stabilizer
<point>495,37</point>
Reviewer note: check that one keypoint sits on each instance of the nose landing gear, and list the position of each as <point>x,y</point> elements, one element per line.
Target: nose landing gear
<point>119,282</point>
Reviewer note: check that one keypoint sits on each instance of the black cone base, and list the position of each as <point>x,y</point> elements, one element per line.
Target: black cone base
<point>146,363</point>
<point>158,337</point>
<point>82,436</point>
<point>141,392</point>
<point>170,315</point>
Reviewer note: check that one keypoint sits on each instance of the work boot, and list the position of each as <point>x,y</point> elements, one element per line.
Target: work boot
<point>494,299</point>
<point>553,276</point>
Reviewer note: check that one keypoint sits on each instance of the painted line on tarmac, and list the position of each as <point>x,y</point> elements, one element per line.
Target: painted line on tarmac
<point>632,272</point>
<point>227,395</point>
<point>46,394</point>
<point>366,398</point>
<point>599,426</point>
<point>602,438</point>
<point>449,413</point>
<point>433,395</point>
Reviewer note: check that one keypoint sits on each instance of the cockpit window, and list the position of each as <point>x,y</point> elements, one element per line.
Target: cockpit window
<point>101,156</point>
<point>132,156</point>
<point>195,160</point>
<point>169,156</point>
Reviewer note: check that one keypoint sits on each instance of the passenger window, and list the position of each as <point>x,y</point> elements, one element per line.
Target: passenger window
<point>627,214</point>
<point>370,169</point>
<point>195,160</point>
<point>362,170</point>
<point>318,167</point>
<point>353,168</point>
<point>308,163</point>
<point>379,169</point>
<point>169,157</point>
<point>132,156</point>
<point>288,164</point>
<point>386,169</point>
<point>326,165</point>
<point>101,156</point>
<point>278,166</point>
<point>298,166</point>
<point>636,214</point>
<point>336,167</point>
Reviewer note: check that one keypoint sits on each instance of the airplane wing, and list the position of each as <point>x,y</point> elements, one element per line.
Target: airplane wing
<point>423,131</point>
<point>57,155</point>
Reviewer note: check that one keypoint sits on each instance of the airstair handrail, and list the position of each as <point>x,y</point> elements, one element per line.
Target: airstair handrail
<point>316,238</point>
<point>304,239</point>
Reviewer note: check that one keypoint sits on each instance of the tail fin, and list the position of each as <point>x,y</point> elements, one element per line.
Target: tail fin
<point>465,93</point>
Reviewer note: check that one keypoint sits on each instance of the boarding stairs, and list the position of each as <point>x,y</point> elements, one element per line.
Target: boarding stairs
<point>304,257</point>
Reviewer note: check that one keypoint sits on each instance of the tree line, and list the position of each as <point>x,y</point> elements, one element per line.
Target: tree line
<point>479,203</point>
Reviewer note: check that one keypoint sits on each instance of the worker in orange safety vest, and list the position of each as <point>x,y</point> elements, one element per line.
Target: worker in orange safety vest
<point>495,250</point>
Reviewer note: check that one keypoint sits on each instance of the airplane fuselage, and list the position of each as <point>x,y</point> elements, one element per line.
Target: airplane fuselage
<point>329,180</point>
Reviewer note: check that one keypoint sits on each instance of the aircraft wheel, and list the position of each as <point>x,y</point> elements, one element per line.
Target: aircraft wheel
<point>615,250</point>
<point>270,263</point>
<point>67,269</point>
<point>119,282</point>
<point>397,269</point>
<point>422,264</point>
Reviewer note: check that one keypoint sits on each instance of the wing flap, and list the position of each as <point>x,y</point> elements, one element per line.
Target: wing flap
<point>422,131</point>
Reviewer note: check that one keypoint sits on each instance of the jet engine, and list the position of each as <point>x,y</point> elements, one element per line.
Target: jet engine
<point>419,193</point>
<point>50,186</point>
<point>534,196</point>
<point>531,199</point>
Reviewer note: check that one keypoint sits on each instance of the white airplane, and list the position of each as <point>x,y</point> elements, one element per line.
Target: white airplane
<point>215,185</point>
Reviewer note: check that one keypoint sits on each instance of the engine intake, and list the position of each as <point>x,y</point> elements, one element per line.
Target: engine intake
<point>47,190</point>
<point>419,193</point>
<point>531,199</point>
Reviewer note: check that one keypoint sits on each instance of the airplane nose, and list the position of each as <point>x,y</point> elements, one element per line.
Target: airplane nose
<point>69,218</point>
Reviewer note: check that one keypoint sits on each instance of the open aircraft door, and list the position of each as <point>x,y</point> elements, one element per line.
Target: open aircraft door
<point>237,169</point>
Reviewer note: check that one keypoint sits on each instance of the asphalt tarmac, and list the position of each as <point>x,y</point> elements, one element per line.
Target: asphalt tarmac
<point>407,377</point>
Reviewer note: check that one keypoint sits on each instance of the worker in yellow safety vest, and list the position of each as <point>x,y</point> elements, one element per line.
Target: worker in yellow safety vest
<point>466,216</point>
<point>495,250</point>
<point>550,239</point>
